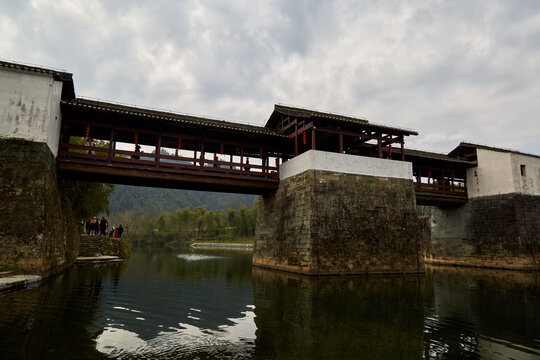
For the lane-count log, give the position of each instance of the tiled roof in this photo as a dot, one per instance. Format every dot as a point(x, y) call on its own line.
point(68, 90)
point(433, 156)
point(169, 116)
point(307, 113)
point(464, 144)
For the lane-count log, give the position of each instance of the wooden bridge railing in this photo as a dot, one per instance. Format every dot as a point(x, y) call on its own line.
point(172, 163)
point(454, 190)
point(439, 181)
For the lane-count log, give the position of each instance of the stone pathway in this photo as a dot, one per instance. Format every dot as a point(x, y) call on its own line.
point(97, 259)
point(17, 281)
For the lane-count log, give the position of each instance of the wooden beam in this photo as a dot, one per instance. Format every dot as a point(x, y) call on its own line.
point(290, 124)
point(143, 176)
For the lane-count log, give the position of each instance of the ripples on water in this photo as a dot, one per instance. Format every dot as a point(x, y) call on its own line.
point(196, 257)
point(211, 304)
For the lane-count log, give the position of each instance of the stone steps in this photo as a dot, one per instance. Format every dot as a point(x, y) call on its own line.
point(5, 273)
point(90, 245)
point(17, 281)
point(95, 246)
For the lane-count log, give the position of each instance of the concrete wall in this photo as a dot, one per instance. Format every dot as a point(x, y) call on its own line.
point(30, 107)
point(500, 173)
point(347, 164)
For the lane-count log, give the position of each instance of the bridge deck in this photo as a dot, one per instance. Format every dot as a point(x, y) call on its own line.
point(166, 172)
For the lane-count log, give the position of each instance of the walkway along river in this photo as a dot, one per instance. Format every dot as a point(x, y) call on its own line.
point(200, 304)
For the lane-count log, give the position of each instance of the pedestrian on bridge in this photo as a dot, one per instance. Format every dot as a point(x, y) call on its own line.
point(137, 150)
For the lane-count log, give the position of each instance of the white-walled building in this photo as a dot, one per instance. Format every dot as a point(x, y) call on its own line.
point(499, 171)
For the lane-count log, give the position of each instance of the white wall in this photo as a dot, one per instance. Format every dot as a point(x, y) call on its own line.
point(530, 182)
point(30, 107)
point(499, 173)
point(344, 163)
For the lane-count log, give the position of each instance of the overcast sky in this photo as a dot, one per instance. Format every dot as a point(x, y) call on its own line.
point(451, 70)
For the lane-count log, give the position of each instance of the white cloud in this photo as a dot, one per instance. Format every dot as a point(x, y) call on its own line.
point(450, 69)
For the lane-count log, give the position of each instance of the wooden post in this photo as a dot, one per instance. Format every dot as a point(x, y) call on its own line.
point(402, 148)
point(242, 159)
point(202, 152)
point(313, 142)
point(158, 147)
point(341, 141)
point(296, 150)
point(379, 145)
point(109, 159)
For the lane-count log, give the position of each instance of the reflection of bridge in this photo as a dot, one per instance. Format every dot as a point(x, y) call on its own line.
point(182, 151)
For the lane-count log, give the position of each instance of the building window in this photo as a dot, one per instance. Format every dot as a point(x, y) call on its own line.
point(523, 170)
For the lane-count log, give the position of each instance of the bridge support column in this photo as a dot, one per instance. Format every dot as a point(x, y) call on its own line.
point(35, 236)
point(341, 214)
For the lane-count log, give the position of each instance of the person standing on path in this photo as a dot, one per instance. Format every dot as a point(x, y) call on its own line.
point(103, 224)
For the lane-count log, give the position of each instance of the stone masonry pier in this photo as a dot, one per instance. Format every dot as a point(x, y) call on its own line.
point(341, 214)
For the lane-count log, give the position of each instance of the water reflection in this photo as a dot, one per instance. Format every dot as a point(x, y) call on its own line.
point(207, 304)
point(54, 320)
point(180, 306)
point(482, 314)
point(338, 318)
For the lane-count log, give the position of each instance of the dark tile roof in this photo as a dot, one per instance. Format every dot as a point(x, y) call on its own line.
point(80, 103)
point(301, 112)
point(466, 145)
point(307, 113)
point(427, 155)
point(68, 90)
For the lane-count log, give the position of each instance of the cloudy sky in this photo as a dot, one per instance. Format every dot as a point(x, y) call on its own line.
point(451, 70)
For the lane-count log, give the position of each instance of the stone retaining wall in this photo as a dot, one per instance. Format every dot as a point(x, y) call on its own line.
point(500, 231)
point(322, 222)
point(93, 245)
point(35, 235)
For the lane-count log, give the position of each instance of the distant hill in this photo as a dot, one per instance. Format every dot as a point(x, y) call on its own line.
point(154, 201)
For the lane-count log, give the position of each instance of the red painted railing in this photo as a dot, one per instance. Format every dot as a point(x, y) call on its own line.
point(172, 163)
point(456, 190)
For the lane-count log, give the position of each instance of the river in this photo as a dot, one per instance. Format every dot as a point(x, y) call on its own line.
point(211, 304)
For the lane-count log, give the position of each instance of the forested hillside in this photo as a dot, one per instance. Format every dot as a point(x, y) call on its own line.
point(154, 201)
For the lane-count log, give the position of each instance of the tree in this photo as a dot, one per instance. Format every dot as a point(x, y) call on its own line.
point(86, 199)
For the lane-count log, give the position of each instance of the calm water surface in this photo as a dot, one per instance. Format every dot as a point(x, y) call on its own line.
point(211, 304)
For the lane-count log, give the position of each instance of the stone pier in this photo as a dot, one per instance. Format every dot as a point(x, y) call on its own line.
point(36, 237)
point(341, 214)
